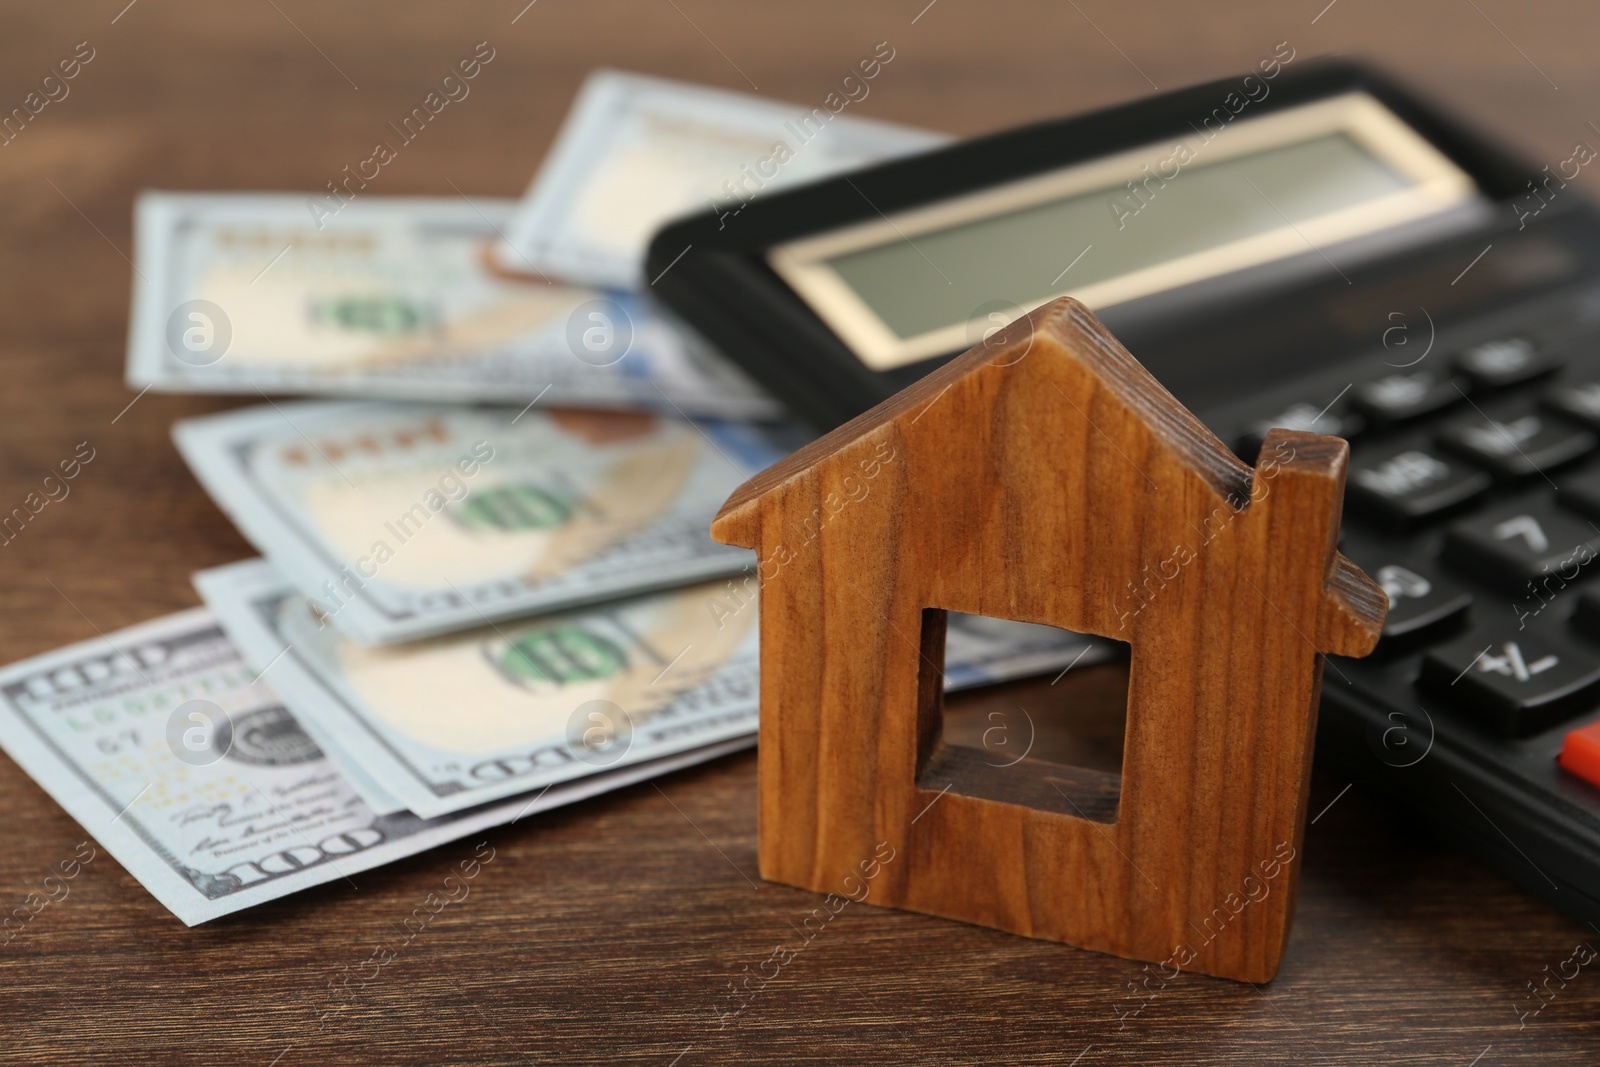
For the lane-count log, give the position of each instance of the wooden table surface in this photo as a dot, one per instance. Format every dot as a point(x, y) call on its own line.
point(610, 932)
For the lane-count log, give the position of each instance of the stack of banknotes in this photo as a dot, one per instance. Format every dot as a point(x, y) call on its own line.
point(486, 586)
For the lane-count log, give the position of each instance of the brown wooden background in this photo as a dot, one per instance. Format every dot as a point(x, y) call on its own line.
point(609, 932)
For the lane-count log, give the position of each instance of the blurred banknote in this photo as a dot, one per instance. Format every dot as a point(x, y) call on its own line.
point(637, 151)
point(456, 721)
point(453, 722)
point(405, 520)
point(248, 293)
point(190, 771)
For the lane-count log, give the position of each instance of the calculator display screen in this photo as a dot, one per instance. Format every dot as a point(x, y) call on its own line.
point(930, 280)
point(1021, 253)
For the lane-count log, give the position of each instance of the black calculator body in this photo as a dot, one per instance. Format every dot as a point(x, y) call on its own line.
point(1462, 364)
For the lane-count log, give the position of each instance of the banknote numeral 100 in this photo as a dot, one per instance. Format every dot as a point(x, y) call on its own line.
point(294, 859)
point(89, 672)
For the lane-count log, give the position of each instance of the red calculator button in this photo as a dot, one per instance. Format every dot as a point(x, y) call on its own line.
point(1580, 753)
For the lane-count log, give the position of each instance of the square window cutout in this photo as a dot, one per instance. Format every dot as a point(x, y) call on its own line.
point(1026, 714)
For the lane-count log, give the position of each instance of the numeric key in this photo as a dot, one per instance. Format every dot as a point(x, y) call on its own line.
point(1516, 546)
point(1422, 603)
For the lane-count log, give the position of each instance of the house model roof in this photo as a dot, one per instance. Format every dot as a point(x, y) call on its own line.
point(1035, 348)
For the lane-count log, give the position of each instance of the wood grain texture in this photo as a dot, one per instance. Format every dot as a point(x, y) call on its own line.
point(609, 933)
point(1045, 476)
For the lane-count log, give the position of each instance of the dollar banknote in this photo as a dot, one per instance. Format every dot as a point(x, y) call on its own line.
point(252, 293)
point(637, 151)
point(189, 770)
point(405, 520)
point(453, 722)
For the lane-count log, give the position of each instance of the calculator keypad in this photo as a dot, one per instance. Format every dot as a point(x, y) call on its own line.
point(1473, 501)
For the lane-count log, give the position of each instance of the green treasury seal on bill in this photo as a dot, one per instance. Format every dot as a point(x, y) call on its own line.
point(241, 293)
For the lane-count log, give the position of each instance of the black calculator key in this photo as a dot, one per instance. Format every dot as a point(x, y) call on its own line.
point(1422, 604)
point(1506, 361)
point(1510, 681)
point(1578, 400)
point(1411, 486)
point(1580, 491)
point(1515, 546)
point(1520, 447)
point(1404, 395)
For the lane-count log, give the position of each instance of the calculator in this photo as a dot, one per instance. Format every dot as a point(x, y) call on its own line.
point(1311, 245)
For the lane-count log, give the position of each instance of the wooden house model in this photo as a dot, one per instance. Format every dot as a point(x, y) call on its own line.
point(1046, 476)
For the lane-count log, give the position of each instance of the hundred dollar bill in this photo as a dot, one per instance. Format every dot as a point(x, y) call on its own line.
point(248, 293)
point(190, 771)
point(403, 520)
point(636, 151)
point(456, 721)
